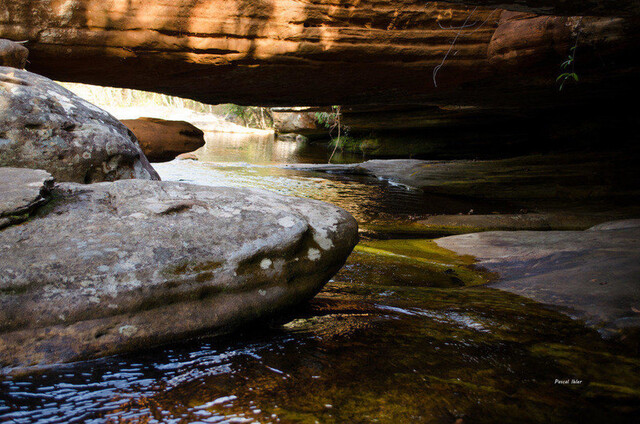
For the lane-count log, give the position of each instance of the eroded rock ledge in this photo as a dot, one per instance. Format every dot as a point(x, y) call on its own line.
point(163, 140)
point(111, 267)
point(289, 52)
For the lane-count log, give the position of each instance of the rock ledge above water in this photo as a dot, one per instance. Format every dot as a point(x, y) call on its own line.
point(593, 275)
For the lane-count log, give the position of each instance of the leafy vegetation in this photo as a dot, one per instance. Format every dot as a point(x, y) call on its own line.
point(249, 116)
point(332, 121)
point(568, 64)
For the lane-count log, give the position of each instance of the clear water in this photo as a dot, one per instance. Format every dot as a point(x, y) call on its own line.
point(364, 350)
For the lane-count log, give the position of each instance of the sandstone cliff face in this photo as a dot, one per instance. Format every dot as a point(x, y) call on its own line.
point(286, 52)
point(564, 7)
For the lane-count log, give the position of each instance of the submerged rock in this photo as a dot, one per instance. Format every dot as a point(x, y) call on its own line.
point(458, 224)
point(13, 54)
point(45, 126)
point(187, 156)
point(120, 266)
point(163, 140)
point(593, 274)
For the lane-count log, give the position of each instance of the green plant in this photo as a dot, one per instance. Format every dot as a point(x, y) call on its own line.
point(569, 65)
point(325, 119)
point(336, 124)
point(332, 121)
point(570, 62)
point(250, 116)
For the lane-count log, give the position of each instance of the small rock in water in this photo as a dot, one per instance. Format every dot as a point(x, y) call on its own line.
point(163, 140)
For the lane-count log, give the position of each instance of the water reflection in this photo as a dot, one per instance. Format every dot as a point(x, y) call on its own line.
point(250, 160)
point(390, 349)
point(264, 148)
point(355, 354)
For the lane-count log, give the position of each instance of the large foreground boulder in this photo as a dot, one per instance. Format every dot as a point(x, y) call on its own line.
point(45, 126)
point(593, 274)
point(163, 140)
point(111, 267)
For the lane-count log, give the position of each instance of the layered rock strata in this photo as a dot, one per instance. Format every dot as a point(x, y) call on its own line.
point(285, 52)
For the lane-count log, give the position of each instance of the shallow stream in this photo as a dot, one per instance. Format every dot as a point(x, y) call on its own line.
point(402, 334)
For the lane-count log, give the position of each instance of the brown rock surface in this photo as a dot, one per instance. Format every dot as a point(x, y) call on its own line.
point(13, 54)
point(163, 140)
point(565, 7)
point(286, 52)
point(292, 121)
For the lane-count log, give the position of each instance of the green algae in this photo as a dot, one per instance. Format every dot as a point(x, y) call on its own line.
point(415, 262)
point(397, 230)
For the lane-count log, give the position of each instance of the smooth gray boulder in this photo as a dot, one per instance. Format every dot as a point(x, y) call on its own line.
point(111, 267)
point(592, 275)
point(21, 192)
point(45, 126)
point(13, 54)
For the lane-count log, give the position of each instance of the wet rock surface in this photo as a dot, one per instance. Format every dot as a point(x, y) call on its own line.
point(45, 126)
point(13, 54)
point(593, 275)
point(532, 180)
point(21, 192)
point(120, 266)
point(512, 222)
point(163, 140)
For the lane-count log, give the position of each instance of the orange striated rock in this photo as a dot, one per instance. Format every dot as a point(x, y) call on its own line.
point(163, 140)
point(564, 7)
point(316, 52)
